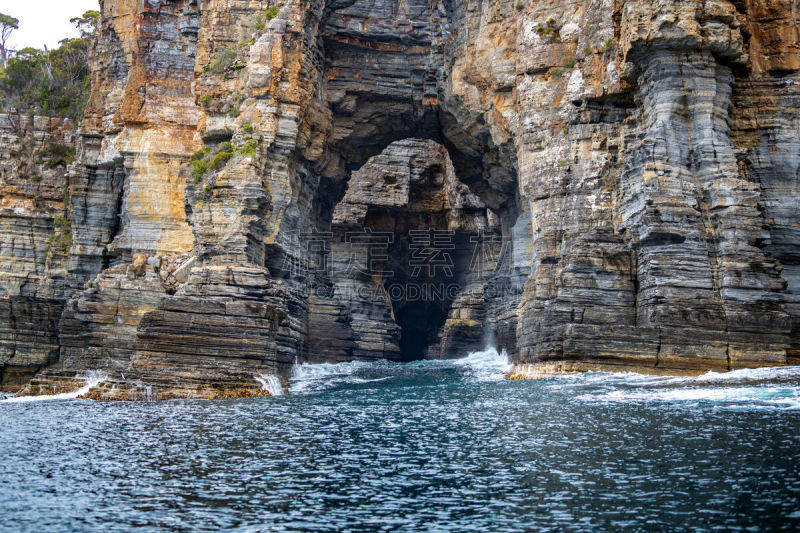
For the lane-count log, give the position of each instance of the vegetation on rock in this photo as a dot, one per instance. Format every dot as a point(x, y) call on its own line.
point(207, 160)
point(224, 60)
point(49, 82)
point(273, 12)
point(63, 234)
point(56, 154)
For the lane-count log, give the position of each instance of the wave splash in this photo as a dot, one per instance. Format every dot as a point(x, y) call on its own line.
point(271, 384)
point(487, 365)
point(484, 365)
point(91, 380)
point(756, 388)
point(308, 377)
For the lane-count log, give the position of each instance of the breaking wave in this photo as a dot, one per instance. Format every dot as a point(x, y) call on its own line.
point(756, 388)
point(484, 365)
point(91, 380)
point(271, 384)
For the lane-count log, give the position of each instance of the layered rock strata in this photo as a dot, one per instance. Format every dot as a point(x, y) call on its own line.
point(402, 256)
point(613, 186)
point(35, 236)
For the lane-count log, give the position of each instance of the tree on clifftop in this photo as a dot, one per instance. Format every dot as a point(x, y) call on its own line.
point(7, 26)
point(86, 23)
point(51, 82)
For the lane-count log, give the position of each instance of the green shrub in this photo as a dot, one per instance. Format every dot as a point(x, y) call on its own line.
point(563, 163)
point(220, 160)
point(63, 234)
point(272, 12)
point(203, 162)
point(555, 71)
point(205, 101)
point(57, 154)
point(248, 149)
point(257, 19)
point(248, 128)
point(49, 82)
point(199, 169)
point(611, 43)
point(234, 112)
point(201, 153)
point(224, 60)
point(519, 7)
point(62, 222)
point(66, 241)
point(587, 50)
point(569, 63)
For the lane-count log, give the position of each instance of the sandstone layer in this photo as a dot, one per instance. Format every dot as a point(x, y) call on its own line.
point(590, 185)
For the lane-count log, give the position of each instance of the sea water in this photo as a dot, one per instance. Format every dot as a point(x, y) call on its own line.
point(425, 446)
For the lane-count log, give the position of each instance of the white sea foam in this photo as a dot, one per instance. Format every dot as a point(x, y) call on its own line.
point(783, 397)
point(271, 384)
point(741, 376)
point(760, 388)
point(487, 365)
point(309, 377)
point(753, 374)
point(91, 380)
point(310, 371)
point(359, 380)
point(484, 365)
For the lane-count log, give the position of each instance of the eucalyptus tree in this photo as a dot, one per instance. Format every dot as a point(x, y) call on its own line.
point(7, 26)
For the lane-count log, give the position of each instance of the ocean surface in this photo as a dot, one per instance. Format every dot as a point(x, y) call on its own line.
point(427, 446)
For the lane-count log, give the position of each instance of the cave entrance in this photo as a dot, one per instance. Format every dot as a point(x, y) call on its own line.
point(402, 158)
point(405, 234)
point(420, 323)
point(431, 268)
point(411, 226)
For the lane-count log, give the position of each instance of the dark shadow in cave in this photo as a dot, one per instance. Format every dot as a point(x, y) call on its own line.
point(383, 89)
point(420, 322)
point(422, 299)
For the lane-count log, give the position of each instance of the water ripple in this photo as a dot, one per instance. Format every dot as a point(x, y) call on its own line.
point(429, 446)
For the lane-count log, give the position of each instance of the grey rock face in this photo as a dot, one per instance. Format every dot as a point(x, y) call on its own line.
point(402, 261)
point(34, 240)
point(679, 278)
point(225, 325)
point(765, 126)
